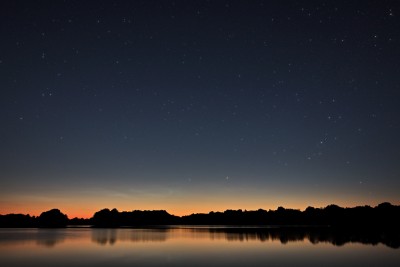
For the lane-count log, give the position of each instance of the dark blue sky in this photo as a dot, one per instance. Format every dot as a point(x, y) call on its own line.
point(198, 105)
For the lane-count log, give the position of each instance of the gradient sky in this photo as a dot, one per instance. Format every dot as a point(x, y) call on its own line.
point(192, 106)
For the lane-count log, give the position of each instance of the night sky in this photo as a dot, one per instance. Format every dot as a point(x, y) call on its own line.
point(193, 106)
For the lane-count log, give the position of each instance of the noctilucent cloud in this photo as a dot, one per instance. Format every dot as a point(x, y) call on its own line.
point(193, 106)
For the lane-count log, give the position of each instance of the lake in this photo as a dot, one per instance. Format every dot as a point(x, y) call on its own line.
point(190, 246)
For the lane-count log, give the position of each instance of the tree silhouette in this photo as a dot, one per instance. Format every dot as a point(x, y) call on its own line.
point(385, 216)
point(52, 218)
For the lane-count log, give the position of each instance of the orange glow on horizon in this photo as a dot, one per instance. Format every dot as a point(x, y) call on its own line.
point(84, 205)
point(80, 211)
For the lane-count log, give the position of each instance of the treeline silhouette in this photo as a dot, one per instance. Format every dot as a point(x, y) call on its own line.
point(384, 215)
point(52, 218)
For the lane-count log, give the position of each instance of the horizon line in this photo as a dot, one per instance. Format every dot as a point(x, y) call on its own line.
point(243, 210)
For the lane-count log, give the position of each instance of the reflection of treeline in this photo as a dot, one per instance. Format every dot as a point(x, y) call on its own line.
point(335, 236)
point(284, 235)
point(384, 215)
point(110, 236)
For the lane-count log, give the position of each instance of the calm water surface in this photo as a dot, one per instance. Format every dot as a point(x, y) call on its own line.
point(182, 246)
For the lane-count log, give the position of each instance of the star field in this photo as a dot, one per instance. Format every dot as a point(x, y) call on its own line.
point(197, 106)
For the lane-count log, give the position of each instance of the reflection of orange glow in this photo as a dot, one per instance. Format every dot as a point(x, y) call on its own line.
point(181, 247)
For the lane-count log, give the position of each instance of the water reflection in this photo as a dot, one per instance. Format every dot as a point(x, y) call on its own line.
point(195, 246)
point(314, 235)
point(283, 235)
point(42, 237)
point(50, 238)
point(111, 236)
